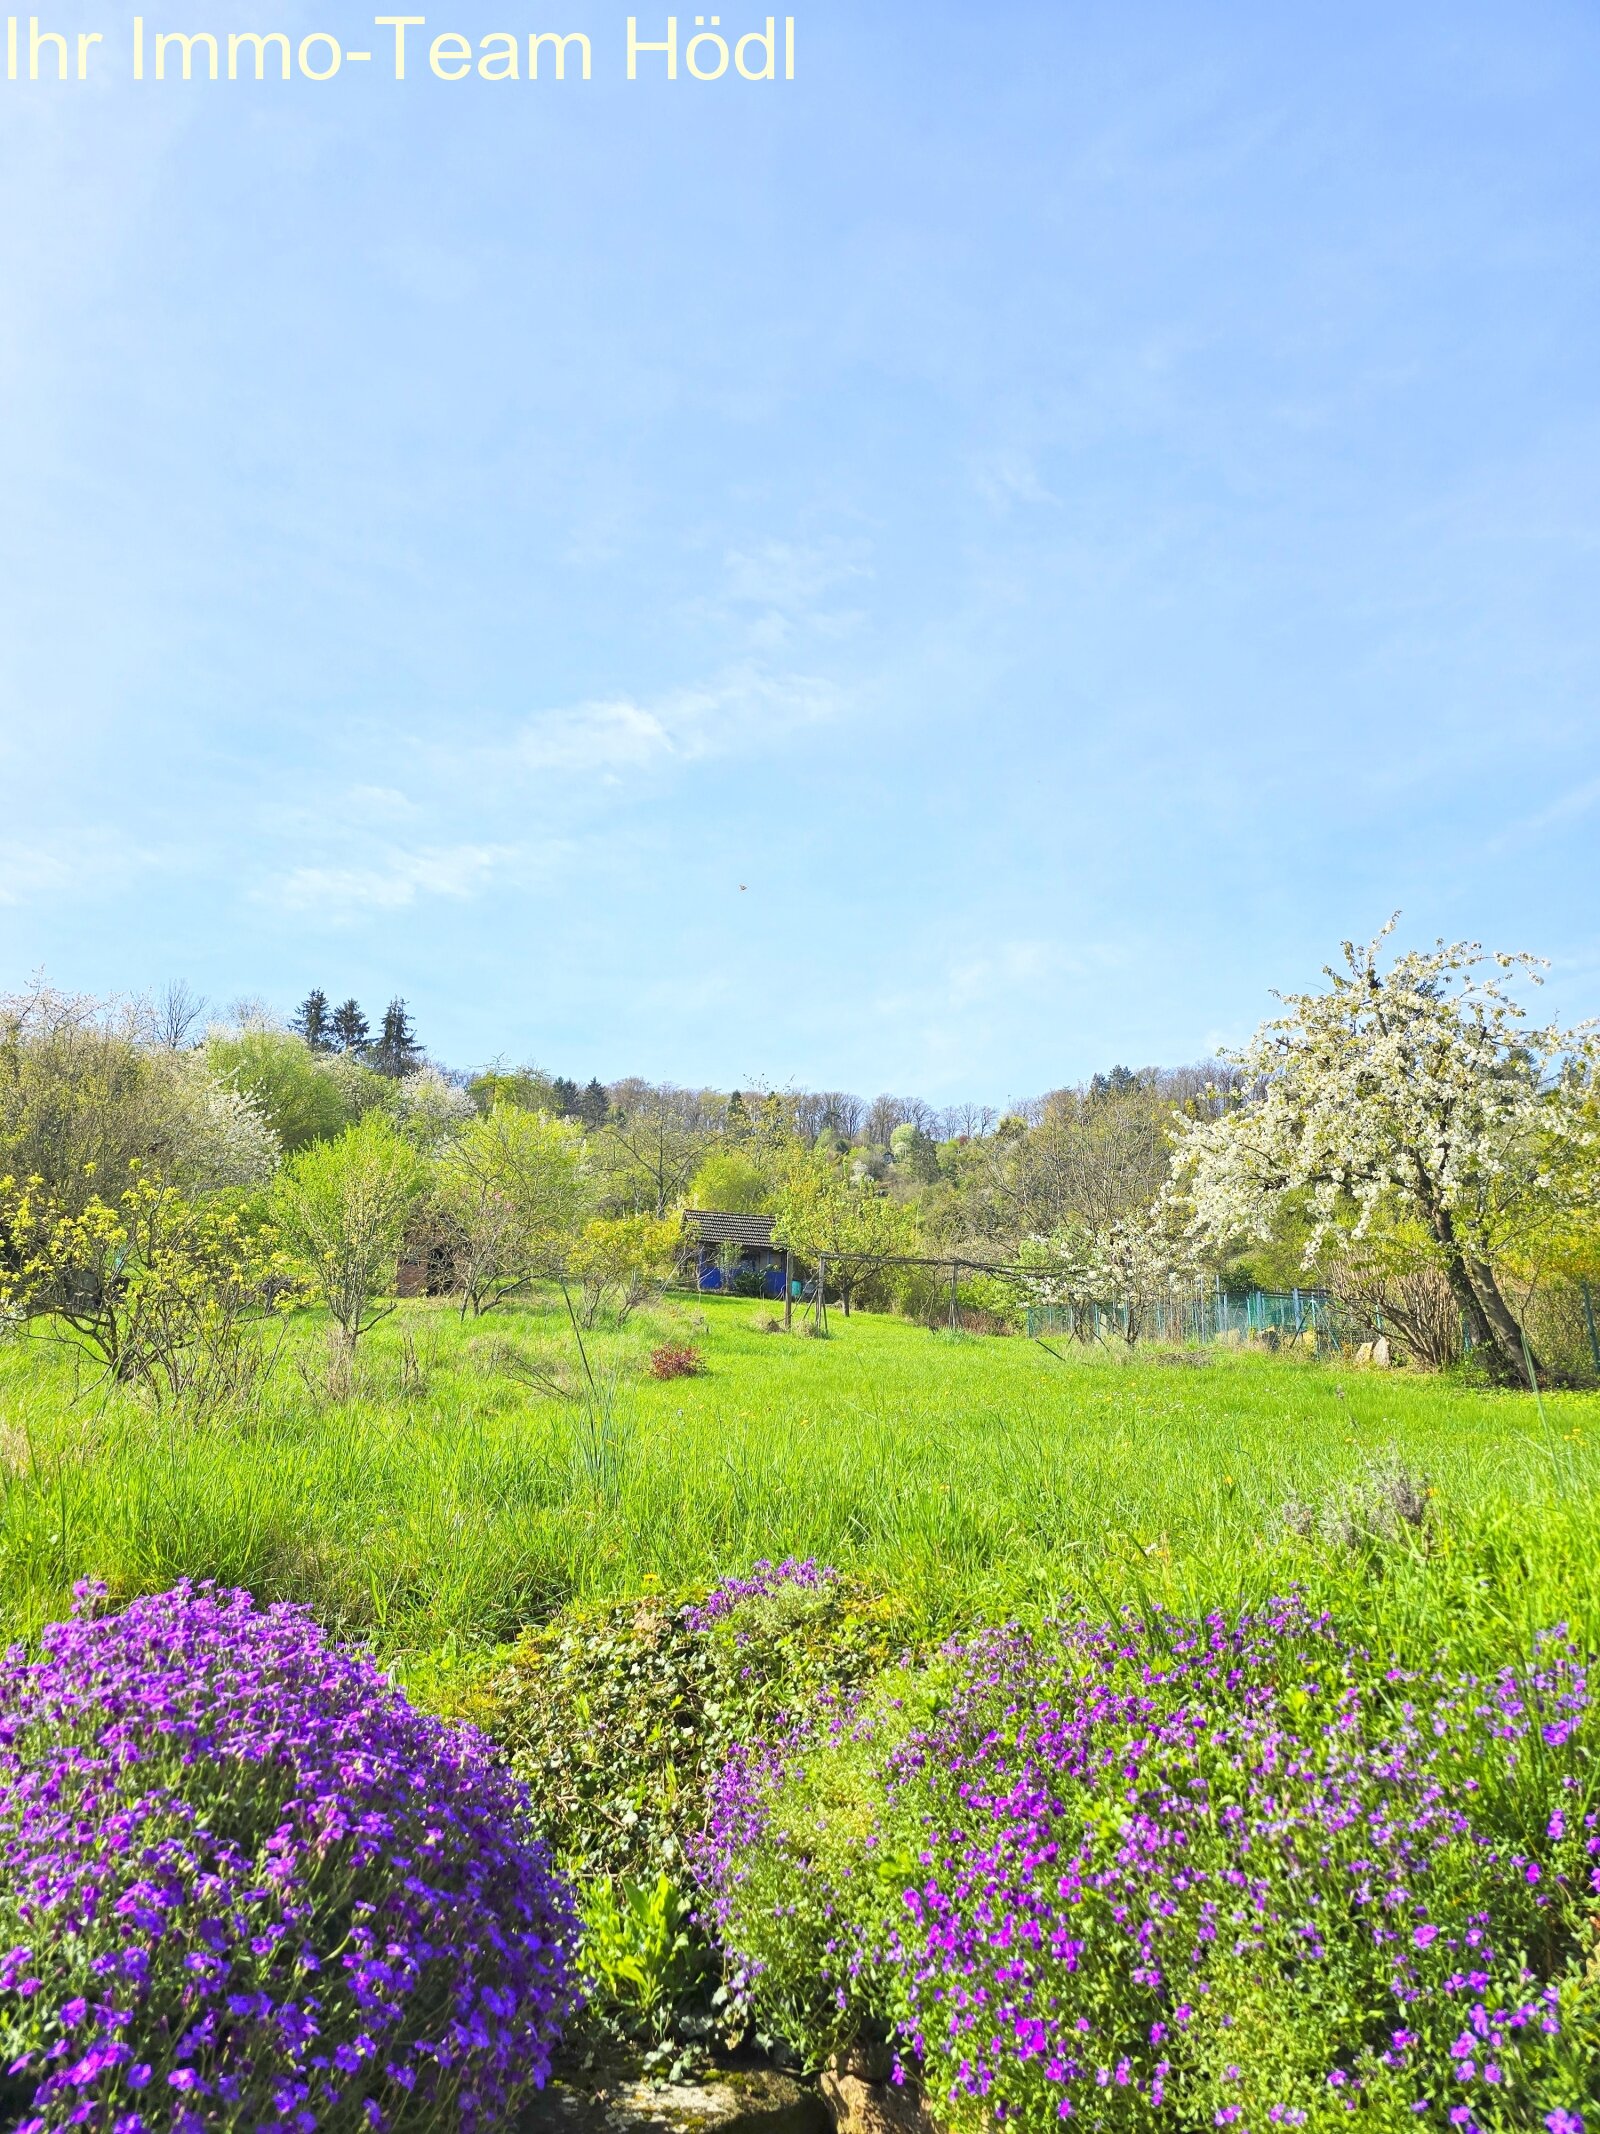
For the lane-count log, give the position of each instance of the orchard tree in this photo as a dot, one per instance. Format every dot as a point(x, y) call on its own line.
point(653, 1144)
point(304, 1094)
point(342, 1208)
point(84, 1094)
point(514, 1188)
point(621, 1261)
point(1415, 1093)
point(732, 1181)
point(822, 1211)
point(1130, 1268)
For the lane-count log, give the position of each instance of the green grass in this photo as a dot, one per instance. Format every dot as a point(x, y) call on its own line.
point(447, 1505)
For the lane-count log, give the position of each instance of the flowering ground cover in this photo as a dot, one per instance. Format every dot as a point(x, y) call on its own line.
point(1199, 1873)
point(244, 1884)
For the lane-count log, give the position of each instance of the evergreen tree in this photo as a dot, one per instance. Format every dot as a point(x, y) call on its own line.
point(564, 1095)
point(313, 1020)
point(738, 1118)
point(350, 1027)
point(397, 1051)
point(594, 1106)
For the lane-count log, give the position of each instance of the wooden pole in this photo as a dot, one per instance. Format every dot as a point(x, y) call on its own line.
point(955, 1268)
point(822, 1292)
point(788, 1282)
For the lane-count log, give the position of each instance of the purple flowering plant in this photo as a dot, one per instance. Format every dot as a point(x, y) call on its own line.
point(243, 1884)
point(1209, 1873)
point(765, 1581)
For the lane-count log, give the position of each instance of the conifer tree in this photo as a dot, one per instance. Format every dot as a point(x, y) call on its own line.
point(594, 1106)
point(397, 1051)
point(313, 1020)
point(350, 1027)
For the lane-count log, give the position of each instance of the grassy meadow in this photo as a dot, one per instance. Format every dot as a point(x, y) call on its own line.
point(476, 1479)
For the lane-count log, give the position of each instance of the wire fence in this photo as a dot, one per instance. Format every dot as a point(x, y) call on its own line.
point(1309, 1317)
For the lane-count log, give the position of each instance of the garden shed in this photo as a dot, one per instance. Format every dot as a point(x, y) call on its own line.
point(734, 1252)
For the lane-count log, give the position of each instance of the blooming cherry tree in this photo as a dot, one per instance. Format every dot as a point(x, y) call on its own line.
point(1418, 1092)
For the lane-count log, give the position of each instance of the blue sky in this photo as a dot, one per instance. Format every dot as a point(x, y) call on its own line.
point(1075, 508)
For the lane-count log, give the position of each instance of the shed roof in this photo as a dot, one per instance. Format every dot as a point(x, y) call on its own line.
point(716, 1227)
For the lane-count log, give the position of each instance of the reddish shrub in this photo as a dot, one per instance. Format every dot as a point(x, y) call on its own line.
point(676, 1359)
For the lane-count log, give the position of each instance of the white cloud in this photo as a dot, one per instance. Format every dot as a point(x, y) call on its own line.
point(81, 863)
point(380, 803)
point(27, 871)
point(779, 574)
point(392, 881)
point(1010, 477)
point(743, 710)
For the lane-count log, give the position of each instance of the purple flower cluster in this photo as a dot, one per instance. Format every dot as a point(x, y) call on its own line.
point(244, 1884)
point(1224, 1873)
point(764, 1580)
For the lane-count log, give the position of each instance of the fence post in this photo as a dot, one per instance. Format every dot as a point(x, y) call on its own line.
point(788, 1264)
point(1588, 1320)
point(954, 1271)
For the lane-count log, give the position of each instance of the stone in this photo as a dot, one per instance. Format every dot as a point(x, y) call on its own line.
point(858, 2104)
point(1380, 1353)
point(613, 2100)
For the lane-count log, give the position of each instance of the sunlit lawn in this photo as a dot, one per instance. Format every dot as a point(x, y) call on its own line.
point(451, 1501)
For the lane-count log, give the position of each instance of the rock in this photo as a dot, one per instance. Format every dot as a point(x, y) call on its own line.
point(613, 2101)
point(859, 2105)
point(1363, 1355)
point(1380, 1353)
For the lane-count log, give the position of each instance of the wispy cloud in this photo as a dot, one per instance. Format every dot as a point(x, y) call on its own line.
point(1009, 477)
point(740, 712)
point(27, 871)
point(391, 881)
point(82, 863)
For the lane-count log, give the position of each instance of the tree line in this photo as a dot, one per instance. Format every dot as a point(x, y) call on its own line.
point(1404, 1136)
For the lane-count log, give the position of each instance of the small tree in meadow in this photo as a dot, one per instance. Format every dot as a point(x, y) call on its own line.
point(620, 1260)
point(513, 1185)
point(822, 1209)
point(156, 1288)
point(342, 1208)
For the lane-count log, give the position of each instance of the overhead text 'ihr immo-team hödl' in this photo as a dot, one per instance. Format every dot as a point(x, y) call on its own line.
point(404, 48)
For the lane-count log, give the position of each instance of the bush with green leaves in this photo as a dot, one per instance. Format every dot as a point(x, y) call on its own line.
point(620, 1717)
point(305, 1095)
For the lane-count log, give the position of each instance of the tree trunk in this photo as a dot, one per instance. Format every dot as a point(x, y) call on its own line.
point(1486, 1312)
point(1508, 1335)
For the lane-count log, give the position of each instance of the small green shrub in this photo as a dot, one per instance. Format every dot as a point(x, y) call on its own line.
point(619, 1718)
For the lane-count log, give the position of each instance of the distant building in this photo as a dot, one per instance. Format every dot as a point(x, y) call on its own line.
point(733, 1252)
